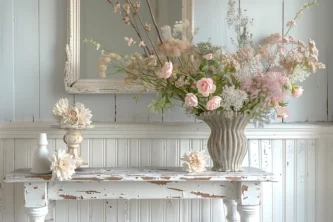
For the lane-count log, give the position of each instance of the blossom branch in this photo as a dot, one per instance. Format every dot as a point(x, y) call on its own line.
point(151, 42)
point(154, 21)
point(300, 12)
point(134, 27)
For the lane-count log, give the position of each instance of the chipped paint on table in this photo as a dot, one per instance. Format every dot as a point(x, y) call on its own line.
point(172, 174)
point(145, 183)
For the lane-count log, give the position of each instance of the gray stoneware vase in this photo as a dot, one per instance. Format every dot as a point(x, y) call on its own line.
point(227, 144)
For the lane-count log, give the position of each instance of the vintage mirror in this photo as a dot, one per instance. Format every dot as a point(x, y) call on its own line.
point(96, 20)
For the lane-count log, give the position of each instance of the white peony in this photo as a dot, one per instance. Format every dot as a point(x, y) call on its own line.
point(62, 165)
point(71, 116)
point(194, 161)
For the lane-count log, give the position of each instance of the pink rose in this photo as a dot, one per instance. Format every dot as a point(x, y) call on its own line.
point(282, 115)
point(208, 56)
point(206, 86)
point(298, 92)
point(166, 71)
point(214, 103)
point(191, 100)
point(282, 112)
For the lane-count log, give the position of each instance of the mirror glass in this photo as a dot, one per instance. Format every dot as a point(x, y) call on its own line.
point(100, 23)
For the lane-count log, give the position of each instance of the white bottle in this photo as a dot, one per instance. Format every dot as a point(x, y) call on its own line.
point(41, 163)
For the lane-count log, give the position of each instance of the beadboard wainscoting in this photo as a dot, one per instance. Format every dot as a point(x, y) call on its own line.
point(300, 154)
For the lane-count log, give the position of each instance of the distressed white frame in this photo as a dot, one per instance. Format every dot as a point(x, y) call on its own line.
point(73, 83)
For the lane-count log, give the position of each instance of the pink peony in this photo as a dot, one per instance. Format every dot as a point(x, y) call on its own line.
point(208, 56)
point(166, 71)
point(191, 100)
point(298, 92)
point(206, 86)
point(214, 103)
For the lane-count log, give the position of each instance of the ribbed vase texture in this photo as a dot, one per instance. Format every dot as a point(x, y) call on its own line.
point(227, 144)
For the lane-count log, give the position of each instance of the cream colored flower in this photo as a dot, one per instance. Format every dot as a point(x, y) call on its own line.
point(62, 165)
point(84, 114)
point(60, 109)
point(71, 116)
point(194, 161)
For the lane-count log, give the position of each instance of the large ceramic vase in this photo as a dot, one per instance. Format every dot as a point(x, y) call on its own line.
point(227, 144)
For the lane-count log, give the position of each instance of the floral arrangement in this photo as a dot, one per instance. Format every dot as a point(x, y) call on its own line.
point(71, 117)
point(194, 162)
point(63, 165)
point(254, 80)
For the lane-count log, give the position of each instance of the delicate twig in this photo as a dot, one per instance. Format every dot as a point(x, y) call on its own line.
point(154, 21)
point(134, 27)
point(298, 14)
point(146, 47)
point(151, 42)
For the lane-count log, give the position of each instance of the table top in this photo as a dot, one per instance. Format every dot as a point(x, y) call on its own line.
point(145, 174)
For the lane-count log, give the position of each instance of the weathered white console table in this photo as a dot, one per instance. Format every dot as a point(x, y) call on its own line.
point(240, 191)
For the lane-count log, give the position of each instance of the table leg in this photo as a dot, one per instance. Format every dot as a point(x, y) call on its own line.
point(231, 206)
point(49, 216)
point(36, 214)
point(247, 213)
point(249, 200)
point(36, 202)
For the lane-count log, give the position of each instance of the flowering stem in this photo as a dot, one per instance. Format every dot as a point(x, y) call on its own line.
point(151, 42)
point(298, 14)
point(154, 21)
point(145, 47)
point(133, 26)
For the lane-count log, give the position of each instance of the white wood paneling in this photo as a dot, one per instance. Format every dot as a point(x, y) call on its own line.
point(301, 163)
point(7, 98)
point(52, 41)
point(26, 60)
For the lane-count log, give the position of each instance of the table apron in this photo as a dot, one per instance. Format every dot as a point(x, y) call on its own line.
point(143, 190)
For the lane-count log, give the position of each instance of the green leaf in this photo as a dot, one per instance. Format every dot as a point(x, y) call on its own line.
point(137, 97)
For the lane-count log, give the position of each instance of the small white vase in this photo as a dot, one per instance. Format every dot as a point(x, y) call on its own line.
point(41, 163)
point(73, 139)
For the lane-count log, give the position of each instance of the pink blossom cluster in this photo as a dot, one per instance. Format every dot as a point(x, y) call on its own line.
point(273, 87)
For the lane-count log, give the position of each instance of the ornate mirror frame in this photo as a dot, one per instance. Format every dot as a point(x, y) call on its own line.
point(73, 83)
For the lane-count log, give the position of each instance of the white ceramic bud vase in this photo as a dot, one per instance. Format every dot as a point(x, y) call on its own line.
point(73, 139)
point(41, 163)
point(227, 144)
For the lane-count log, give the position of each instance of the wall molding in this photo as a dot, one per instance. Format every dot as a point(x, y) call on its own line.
point(166, 130)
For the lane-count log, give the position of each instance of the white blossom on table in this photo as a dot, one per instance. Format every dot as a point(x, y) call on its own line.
point(62, 165)
point(194, 162)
